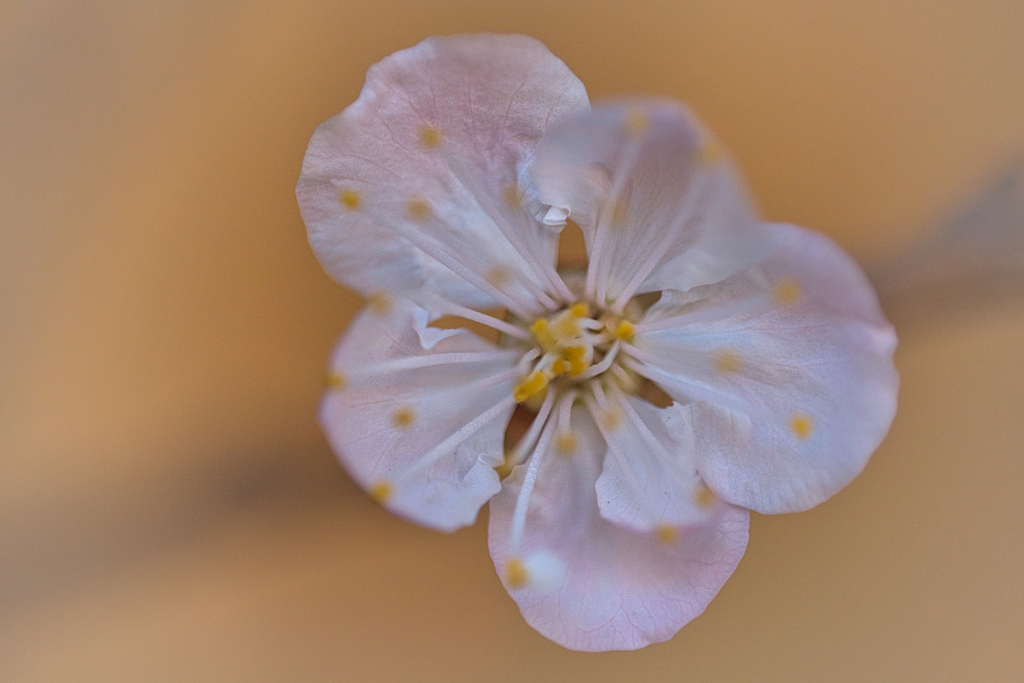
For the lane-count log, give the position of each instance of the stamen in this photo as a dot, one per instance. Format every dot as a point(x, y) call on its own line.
point(699, 314)
point(542, 334)
point(606, 362)
point(469, 429)
point(694, 389)
point(802, 426)
point(418, 362)
point(686, 217)
point(530, 480)
point(350, 199)
point(518, 236)
point(528, 439)
point(625, 168)
point(565, 438)
point(484, 319)
point(443, 254)
point(788, 291)
point(532, 384)
point(381, 491)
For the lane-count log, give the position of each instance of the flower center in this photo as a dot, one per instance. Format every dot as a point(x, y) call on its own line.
point(573, 346)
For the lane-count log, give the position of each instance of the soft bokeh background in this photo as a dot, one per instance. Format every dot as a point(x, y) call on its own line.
point(168, 508)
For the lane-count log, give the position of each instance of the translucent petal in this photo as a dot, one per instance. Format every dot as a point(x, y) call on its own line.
point(650, 481)
point(790, 368)
point(615, 590)
point(416, 187)
point(418, 414)
point(659, 203)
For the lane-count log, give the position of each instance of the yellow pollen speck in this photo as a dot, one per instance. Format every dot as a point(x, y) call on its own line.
point(430, 137)
point(709, 151)
point(802, 425)
point(625, 331)
point(727, 361)
point(380, 303)
point(418, 210)
point(499, 276)
point(336, 381)
point(381, 491)
point(667, 534)
point(580, 310)
point(516, 573)
point(637, 122)
point(403, 417)
point(788, 291)
point(350, 199)
point(611, 419)
point(559, 367)
point(703, 496)
point(565, 443)
point(532, 384)
point(576, 357)
point(513, 197)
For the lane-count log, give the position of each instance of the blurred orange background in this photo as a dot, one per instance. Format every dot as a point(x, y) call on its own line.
point(168, 508)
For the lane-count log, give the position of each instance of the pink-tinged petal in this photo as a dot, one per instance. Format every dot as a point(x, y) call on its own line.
point(790, 367)
point(417, 414)
point(659, 203)
point(649, 481)
point(590, 585)
point(416, 188)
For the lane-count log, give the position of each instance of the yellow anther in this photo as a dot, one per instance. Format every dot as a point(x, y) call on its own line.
point(802, 426)
point(403, 417)
point(576, 357)
point(516, 573)
point(703, 496)
point(625, 331)
point(559, 367)
point(430, 137)
point(611, 419)
point(380, 303)
point(350, 199)
point(788, 291)
point(710, 151)
point(534, 383)
point(335, 381)
point(381, 491)
point(418, 210)
point(727, 361)
point(637, 122)
point(565, 442)
point(580, 310)
point(543, 335)
point(505, 468)
point(666, 534)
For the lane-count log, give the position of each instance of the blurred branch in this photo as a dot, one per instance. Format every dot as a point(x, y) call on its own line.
point(972, 261)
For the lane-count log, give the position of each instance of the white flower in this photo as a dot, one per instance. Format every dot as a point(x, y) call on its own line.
point(442, 191)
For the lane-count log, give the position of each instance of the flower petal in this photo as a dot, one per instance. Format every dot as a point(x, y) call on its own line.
point(649, 481)
point(418, 414)
point(599, 586)
point(659, 203)
point(791, 367)
point(423, 170)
